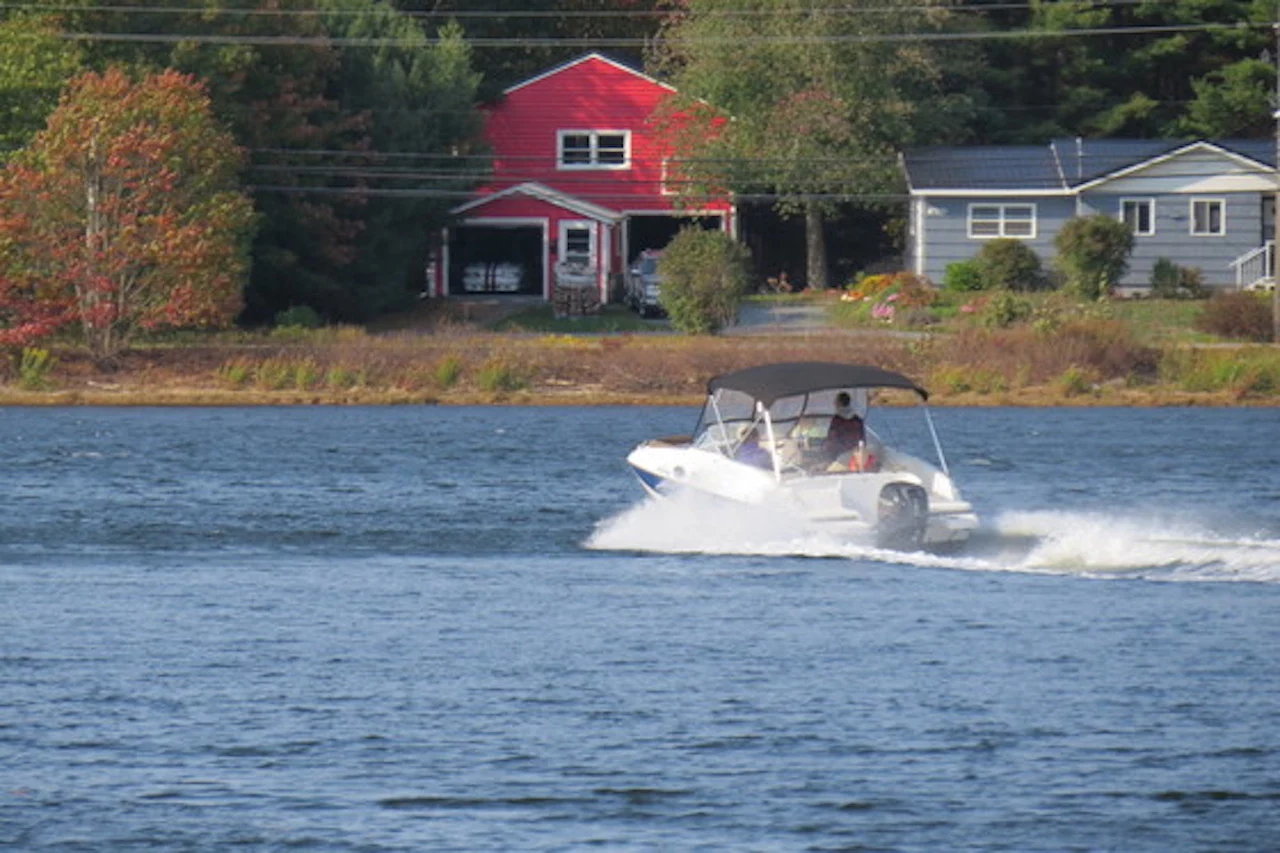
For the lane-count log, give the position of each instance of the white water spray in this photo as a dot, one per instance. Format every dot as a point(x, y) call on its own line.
point(1087, 544)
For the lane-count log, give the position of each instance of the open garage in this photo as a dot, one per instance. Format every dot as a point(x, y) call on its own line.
point(656, 231)
point(496, 259)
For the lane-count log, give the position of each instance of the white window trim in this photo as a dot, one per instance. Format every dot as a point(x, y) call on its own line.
point(562, 244)
point(1150, 204)
point(1191, 216)
point(1002, 222)
point(595, 150)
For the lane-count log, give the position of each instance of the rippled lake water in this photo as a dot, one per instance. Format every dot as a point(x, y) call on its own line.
point(410, 629)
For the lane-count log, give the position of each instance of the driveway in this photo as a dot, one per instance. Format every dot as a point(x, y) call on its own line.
point(772, 318)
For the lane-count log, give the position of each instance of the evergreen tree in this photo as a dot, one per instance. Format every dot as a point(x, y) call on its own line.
point(421, 120)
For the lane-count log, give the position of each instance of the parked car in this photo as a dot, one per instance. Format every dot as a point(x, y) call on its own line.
point(644, 285)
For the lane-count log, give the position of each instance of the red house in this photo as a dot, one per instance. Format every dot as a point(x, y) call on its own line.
point(577, 191)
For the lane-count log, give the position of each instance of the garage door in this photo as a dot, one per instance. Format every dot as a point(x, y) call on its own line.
point(496, 259)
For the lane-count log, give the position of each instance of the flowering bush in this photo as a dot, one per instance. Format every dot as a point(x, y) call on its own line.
point(871, 286)
point(883, 311)
point(885, 294)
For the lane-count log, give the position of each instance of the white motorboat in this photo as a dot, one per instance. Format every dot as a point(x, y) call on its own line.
point(766, 436)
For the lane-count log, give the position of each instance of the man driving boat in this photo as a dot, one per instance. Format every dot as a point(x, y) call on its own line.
point(846, 441)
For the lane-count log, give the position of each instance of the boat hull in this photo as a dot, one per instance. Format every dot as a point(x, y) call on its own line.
point(862, 507)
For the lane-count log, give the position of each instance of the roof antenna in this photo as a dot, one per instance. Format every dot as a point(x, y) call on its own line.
point(1079, 159)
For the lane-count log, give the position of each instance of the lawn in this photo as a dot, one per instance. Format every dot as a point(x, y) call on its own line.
point(1152, 321)
point(611, 319)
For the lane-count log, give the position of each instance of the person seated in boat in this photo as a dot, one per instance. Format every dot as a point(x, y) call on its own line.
point(750, 451)
point(846, 430)
point(846, 441)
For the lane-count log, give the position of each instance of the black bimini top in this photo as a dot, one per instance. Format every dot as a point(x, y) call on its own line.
point(770, 382)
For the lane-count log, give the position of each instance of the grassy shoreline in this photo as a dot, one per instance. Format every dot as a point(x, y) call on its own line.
point(1086, 366)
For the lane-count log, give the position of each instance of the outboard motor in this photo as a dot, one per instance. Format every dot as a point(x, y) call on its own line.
point(903, 516)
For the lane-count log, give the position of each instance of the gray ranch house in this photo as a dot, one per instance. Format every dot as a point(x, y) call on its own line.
point(1205, 204)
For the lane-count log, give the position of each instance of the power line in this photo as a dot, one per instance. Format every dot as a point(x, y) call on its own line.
point(624, 42)
point(391, 192)
point(557, 14)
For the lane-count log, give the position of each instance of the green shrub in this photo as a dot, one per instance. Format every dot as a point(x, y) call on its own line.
point(274, 374)
point(448, 371)
point(344, 377)
point(306, 374)
point(705, 275)
point(235, 373)
point(1164, 279)
point(1171, 281)
point(1093, 253)
point(1010, 264)
point(954, 380)
point(1238, 314)
point(299, 317)
point(1005, 309)
point(34, 367)
point(1242, 372)
point(964, 276)
point(1191, 282)
point(1076, 381)
point(962, 379)
point(497, 375)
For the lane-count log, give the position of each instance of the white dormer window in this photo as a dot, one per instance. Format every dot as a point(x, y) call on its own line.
point(593, 149)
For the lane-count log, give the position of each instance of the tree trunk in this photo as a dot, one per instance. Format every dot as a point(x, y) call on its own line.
point(815, 244)
point(87, 292)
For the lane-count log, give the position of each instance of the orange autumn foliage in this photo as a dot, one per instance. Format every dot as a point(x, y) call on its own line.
point(125, 213)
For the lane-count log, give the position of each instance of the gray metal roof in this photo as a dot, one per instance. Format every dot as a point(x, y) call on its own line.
point(1062, 164)
point(1086, 159)
point(1262, 150)
point(993, 167)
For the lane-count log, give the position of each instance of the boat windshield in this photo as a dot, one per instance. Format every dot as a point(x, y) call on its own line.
point(728, 415)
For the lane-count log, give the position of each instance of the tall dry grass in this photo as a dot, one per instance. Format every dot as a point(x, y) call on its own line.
point(1074, 359)
point(1022, 356)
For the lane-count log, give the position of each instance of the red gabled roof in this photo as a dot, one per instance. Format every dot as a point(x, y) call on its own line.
point(586, 58)
point(541, 192)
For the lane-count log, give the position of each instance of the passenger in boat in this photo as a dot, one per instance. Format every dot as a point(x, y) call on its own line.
point(846, 442)
point(752, 453)
point(846, 431)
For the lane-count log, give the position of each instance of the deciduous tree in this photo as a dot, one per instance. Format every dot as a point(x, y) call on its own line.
point(35, 63)
point(819, 98)
point(125, 213)
point(338, 125)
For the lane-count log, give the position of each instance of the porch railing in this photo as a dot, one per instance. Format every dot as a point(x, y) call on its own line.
point(1256, 267)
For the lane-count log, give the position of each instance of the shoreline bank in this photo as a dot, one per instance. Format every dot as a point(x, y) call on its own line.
point(465, 367)
point(219, 398)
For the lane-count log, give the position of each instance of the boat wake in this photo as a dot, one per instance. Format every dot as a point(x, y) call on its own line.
point(1084, 544)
